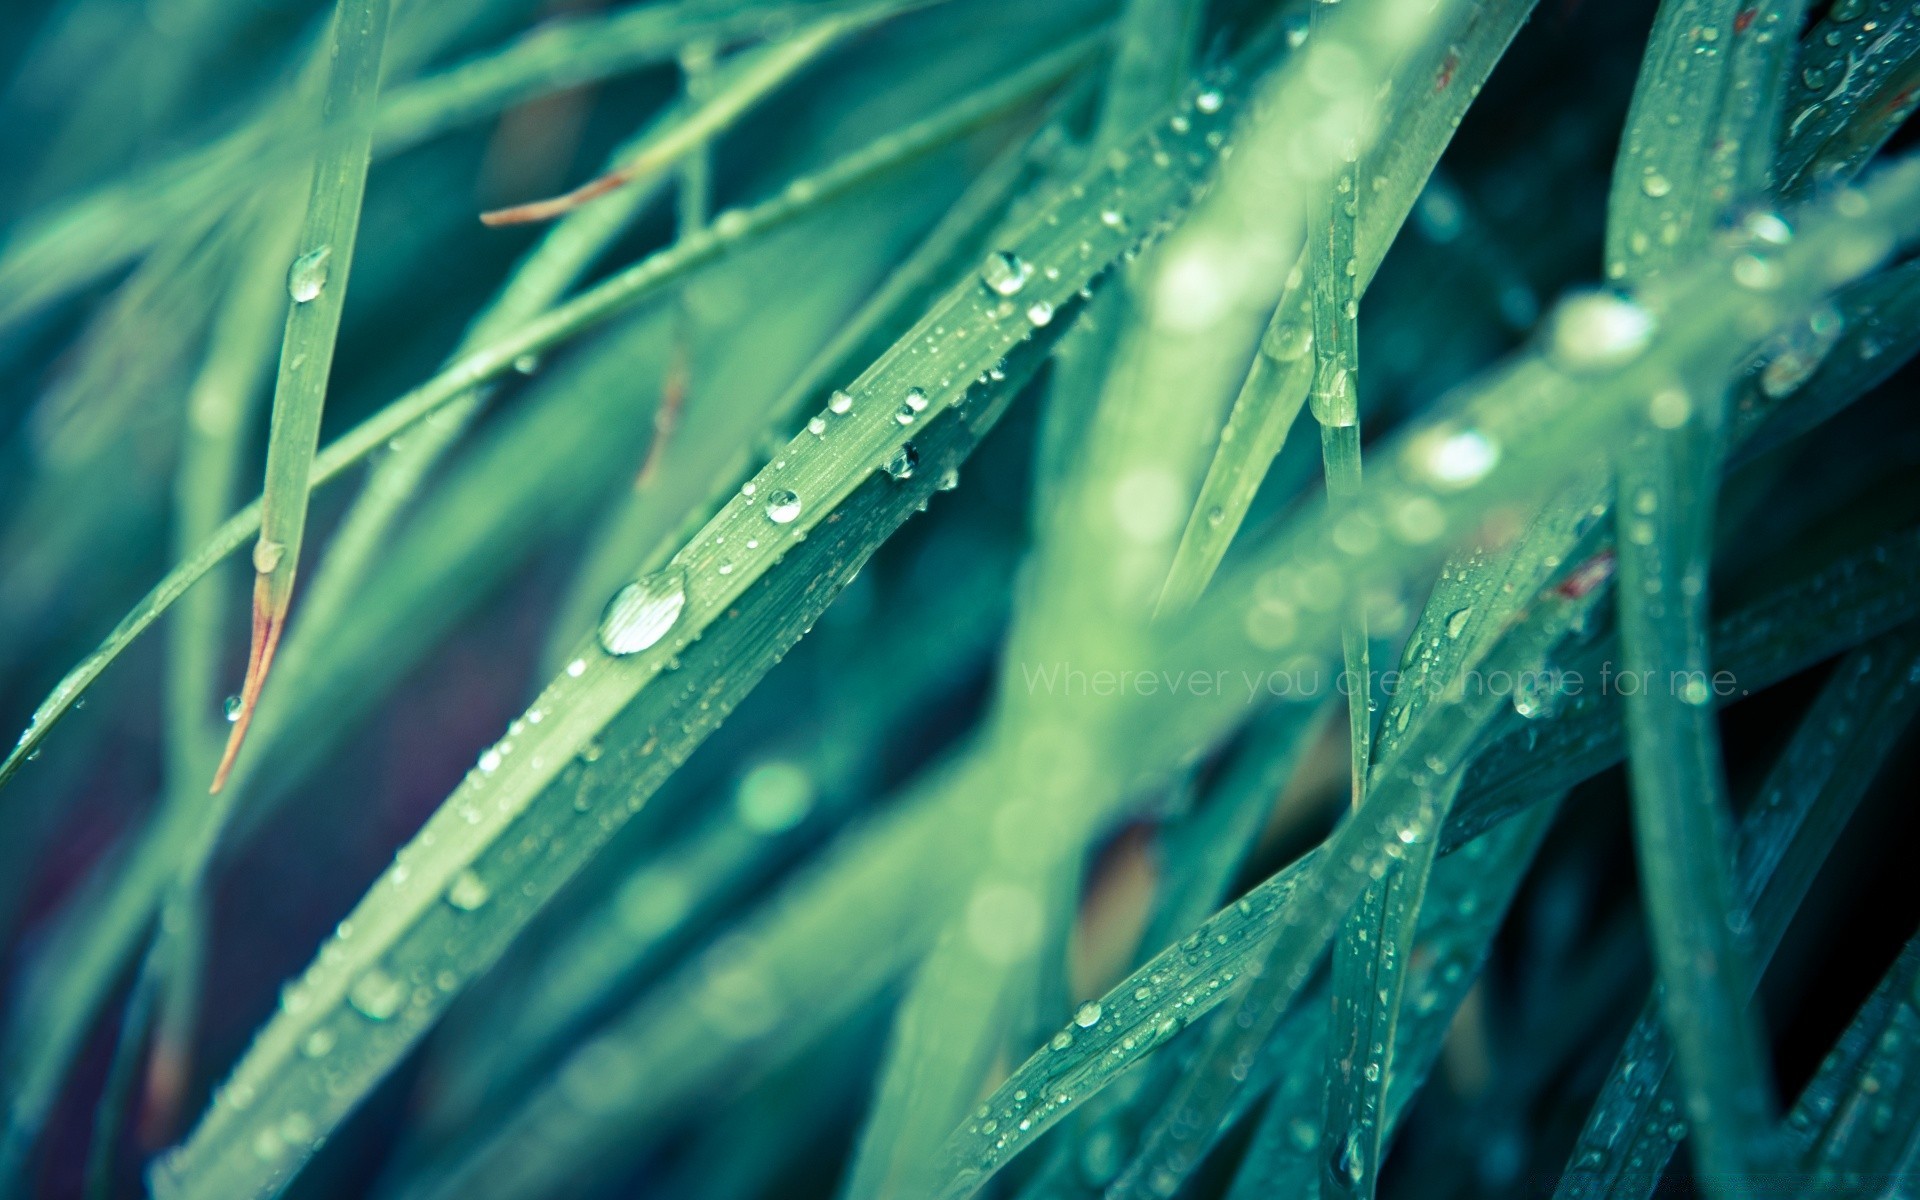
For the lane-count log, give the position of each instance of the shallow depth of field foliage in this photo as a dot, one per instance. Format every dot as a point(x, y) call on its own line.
point(713, 599)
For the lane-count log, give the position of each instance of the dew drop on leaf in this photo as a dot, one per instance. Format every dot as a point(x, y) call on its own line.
point(641, 613)
point(782, 507)
point(307, 277)
point(1005, 273)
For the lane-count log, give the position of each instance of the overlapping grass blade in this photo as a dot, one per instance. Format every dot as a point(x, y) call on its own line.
point(1853, 85)
point(615, 295)
point(1856, 1124)
point(80, 239)
point(1418, 124)
point(1101, 558)
point(317, 284)
point(1671, 181)
point(362, 973)
point(1803, 806)
point(1468, 897)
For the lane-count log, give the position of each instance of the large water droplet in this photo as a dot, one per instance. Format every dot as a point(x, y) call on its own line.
point(468, 891)
point(1087, 1015)
point(1005, 273)
point(308, 274)
point(1598, 331)
point(900, 466)
point(642, 612)
point(782, 507)
point(839, 402)
point(377, 995)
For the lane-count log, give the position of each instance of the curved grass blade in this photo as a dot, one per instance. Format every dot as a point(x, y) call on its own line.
point(1417, 125)
point(1671, 181)
point(1804, 805)
point(613, 296)
point(317, 283)
point(356, 988)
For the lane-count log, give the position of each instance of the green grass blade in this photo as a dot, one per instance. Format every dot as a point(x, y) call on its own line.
point(317, 284)
point(1417, 125)
point(613, 296)
point(1671, 180)
point(1468, 898)
point(540, 280)
point(1852, 87)
point(1804, 804)
point(1858, 1121)
point(79, 239)
point(1101, 557)
point(794, 496)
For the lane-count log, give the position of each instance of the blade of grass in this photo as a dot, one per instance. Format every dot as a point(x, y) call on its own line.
point(1670, 182)
point(931, 266)
point(609, 298)
point(685, 138)
point(823, 951)
point(1857, 1121)
point(64, 248)
point(1418, 124)
point(1852, 86)
point(1102, 553)
point(1465, 907)
point(1804, 805)
point(797, 494)
point(317, 283)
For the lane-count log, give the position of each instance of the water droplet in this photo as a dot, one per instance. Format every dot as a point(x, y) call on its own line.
point(1454, 458)
point(1039, 312)
point(839, 402)
point(1598, 331)
point(1113, 218)
point(231, 709)
point(377, 995)
point(468, 891)
point(916, 400)
point(1457, 621)
point(1005, 273)
point(1209, 101)
point(1655, 185)
point(308, 274)
point(1087, 1015)
point(782, 507)
point(267, 555)
point(817, 426)
point(642, 612)
point(1062, 1040)
point(900, 466)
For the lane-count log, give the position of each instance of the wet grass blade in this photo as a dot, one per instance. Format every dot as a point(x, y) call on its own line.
point(1853, 85)
point(1857, 1122)
point(1671, 180)
point(76, 241)
point(1468, 898)
point(1418, 124)
point(354, 989)
point(317, 285)
point(1804, 805)
point(613, 296)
